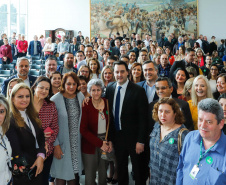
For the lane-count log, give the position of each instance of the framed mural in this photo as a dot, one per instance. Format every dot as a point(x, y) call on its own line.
point(144, 16)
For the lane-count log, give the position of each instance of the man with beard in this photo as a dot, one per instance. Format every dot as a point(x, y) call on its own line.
point(68, 64)
point(22, 68)
point(50, 66)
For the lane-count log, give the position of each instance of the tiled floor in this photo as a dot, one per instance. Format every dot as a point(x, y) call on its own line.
point(131, 182)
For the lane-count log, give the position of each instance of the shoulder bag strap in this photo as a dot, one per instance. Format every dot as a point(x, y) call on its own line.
point(179, 142)
point(108, 121)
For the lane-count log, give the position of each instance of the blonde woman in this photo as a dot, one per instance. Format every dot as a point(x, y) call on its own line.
point(186, 95)
point(181, 54)
point(26, 135)
point(107, 75)
point(48, 48)
point(5, 148)
point(11, 84)
point(94, 65)
point(200, 90)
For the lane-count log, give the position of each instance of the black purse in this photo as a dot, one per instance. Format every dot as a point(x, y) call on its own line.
point(21, 161)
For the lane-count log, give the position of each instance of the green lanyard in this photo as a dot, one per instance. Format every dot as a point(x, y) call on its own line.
point(202, 155)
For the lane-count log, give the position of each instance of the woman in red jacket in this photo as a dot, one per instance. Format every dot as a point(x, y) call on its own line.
point(22, 46)
point(93, 129)
point(5, 52)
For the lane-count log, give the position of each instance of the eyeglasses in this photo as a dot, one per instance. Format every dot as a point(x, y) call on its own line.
point(162, 88)
point(84, 71)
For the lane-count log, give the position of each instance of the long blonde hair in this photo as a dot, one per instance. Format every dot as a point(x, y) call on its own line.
point(194, 97)
point(18, 80)
point(30, 111)
point(6, 122)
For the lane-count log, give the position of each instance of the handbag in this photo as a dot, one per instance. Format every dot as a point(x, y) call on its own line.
point(106, 155)
point(179, 142)
point(21, 161)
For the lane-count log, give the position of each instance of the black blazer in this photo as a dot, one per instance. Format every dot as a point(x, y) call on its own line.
point(181, 64)
point(23, 142)
point(5, 83)
point(185, 109)
point(133, 114)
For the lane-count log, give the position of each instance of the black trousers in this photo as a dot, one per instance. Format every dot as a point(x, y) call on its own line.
point(124, 148)
point(46, 169)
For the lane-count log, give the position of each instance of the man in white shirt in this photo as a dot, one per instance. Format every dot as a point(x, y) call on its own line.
point(128, 134)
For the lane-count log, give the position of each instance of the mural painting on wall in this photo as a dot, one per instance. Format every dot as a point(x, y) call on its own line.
point(144, 16)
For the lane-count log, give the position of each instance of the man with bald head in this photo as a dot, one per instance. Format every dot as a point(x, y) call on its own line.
point(164, 66)
point(35, 47)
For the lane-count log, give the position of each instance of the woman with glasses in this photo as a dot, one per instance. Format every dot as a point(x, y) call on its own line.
point(84, 70)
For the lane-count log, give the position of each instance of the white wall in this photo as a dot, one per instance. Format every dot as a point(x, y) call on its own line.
point(212, 19)
point(75, 15)
point(51, 14)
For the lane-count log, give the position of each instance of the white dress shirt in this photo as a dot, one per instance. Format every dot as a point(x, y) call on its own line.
point(29, 124)
point(122, 95)
point(5, 173)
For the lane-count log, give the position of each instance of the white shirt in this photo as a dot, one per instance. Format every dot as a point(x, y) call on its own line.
point(5, 173)
point(122, 95)
point(31, 126)
point(27, 82)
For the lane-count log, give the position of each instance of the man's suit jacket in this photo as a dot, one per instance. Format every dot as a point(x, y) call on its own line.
point(185, 109)
point(31, 48)
point(181, 64)
point(1, 42)
point(145, 86)
point(6, 82)
point(113, 51)
point(133, 114)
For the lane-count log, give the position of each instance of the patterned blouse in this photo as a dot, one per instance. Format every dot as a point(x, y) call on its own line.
point(49, 117)
point(73, 111)
point(164, 156)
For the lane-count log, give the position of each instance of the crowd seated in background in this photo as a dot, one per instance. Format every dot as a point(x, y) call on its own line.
point(124, 96)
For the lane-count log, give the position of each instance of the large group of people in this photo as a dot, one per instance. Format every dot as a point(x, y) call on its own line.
point(122, 97)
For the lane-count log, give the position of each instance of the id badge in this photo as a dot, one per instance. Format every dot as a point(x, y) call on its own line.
point(194, 172)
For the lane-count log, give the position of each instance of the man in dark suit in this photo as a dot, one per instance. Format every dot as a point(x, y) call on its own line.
point(150, 71)
point(35, 47)
point(108, 47)
point(128, 128)
point(164, 89)
point(22, 68)
point(189, 58)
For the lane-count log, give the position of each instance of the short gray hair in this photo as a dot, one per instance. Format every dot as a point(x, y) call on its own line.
point(20, 59)
point(96, 82)
point(212, 106)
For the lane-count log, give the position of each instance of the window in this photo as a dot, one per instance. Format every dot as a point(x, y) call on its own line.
point(13, 17)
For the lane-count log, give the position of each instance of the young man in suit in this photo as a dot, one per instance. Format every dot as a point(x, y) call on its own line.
point(22, 68)
point(128, 134)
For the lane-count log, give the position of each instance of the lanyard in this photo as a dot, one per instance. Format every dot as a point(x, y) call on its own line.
point(3, 144)
point(29, 124)
point(202, 155)
point(28, 120)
